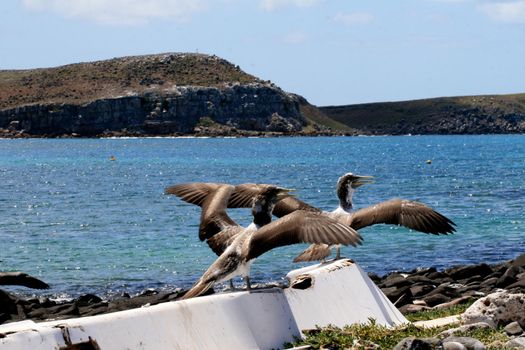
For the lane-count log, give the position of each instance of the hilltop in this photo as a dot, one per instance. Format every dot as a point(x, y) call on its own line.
point(164, 94)
point(84, 82)
point(447, 115)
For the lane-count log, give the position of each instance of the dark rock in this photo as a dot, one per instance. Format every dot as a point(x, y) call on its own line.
point(419, 290)
point(88, 299)
point(489, 282)
point(8, 303)
point(375, 278)
point(517, 285)
point(462, 272)
point(469, 288)
point(446, 289)
point(513, 328)
point(471, 279)
point(420, 280)
point(94, 309)
point(519, 261)
point(461, 300)
point(505, 281)
point(423, 271)
point(399, 296)
point(418, 344)
point(436, 299)
point(437, 275)
point(411, 308)
point(395, 280)
point(4, 317)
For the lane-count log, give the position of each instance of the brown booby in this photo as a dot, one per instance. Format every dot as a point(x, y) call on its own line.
point(21, 279)
point(216, 227)
point(411, 214)
point(242, 247)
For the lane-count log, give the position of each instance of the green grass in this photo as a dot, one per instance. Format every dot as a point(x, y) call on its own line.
point(361, 336)
point(438, 313)
point(82, 82)
point(419, 112)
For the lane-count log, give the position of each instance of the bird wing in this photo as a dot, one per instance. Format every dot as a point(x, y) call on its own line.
point(411, 214)
point(220, 241)
point(214, 218)
point(193, 192)
point(21, 279)
point(301, 226)
point(243, 196)
point(213, 199)
point(314, 252)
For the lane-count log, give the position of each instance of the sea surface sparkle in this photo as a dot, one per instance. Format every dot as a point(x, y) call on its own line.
point(85, 223)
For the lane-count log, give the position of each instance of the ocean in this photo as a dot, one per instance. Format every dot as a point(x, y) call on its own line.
point(87, 224)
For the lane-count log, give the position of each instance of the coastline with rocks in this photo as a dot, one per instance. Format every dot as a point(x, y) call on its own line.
point(411, 291)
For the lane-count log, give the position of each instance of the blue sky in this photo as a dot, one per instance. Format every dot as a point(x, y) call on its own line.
point(332, 52)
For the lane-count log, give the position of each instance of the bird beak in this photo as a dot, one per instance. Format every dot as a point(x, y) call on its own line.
point(284, 193)
point(361, 180)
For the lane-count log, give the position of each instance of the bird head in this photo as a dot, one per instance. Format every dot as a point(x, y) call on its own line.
point(354, 181)
point(346, 185)
point(265, 201)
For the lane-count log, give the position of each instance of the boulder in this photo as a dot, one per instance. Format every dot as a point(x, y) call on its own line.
point(513, 329)
point(454, 346)
point(412, 343)
point(467, 342)
point(465, 328)
point(497, 309)
point(462, 272)
point(516, 343)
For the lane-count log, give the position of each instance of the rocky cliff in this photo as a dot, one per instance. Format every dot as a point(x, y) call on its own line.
point(145, 95)
point(255, 106)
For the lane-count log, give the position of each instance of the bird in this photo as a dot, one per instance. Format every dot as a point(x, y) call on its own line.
point(242, 247)
point(411, 214)
point(215, 198)
point(21, 279)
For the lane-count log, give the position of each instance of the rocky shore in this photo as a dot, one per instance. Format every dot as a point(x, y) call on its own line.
point(410, 291)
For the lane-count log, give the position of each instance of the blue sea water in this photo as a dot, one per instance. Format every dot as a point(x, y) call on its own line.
point(84, 223)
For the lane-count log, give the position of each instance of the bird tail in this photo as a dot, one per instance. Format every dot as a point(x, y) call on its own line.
point(199, 288)
point(314, 252)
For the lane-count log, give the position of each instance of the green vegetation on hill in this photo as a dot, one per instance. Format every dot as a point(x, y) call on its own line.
point(438, 113)
point(84, 82)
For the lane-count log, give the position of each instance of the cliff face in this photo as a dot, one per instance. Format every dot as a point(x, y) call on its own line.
point(260, 107)
point(154, 95)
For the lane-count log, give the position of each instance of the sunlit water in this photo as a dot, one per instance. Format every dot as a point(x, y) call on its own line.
point(84, 223)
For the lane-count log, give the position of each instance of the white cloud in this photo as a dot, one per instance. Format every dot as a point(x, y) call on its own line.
point(119, 12)
point(295, 38)
point(270, 5)
point(353, 18)
point(509, 11)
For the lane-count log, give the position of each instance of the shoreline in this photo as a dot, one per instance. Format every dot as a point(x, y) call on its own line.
point(207, 132)
point(412, 291)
